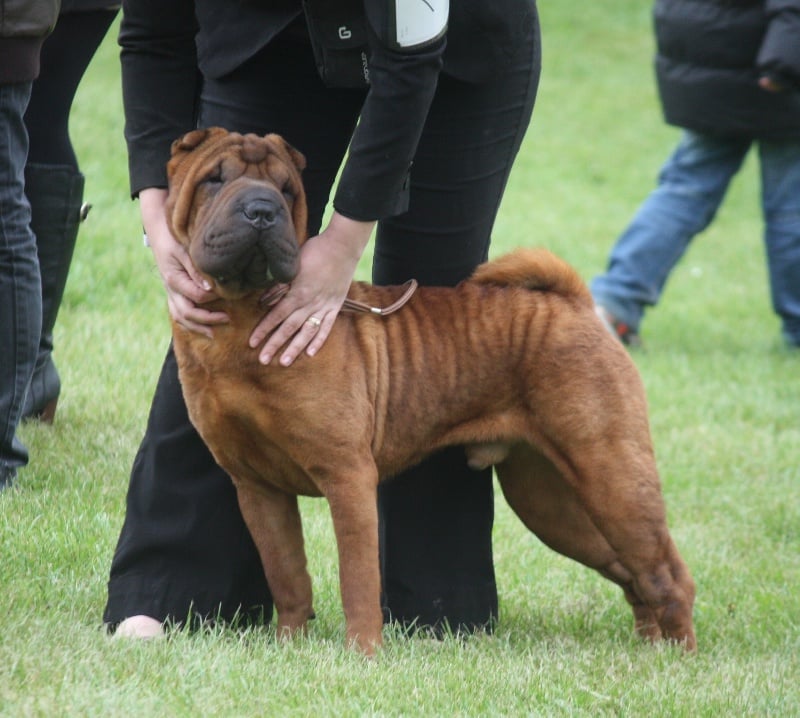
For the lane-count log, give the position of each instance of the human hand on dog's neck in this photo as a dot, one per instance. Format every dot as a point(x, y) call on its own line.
point(304, 317)
point(186, 288)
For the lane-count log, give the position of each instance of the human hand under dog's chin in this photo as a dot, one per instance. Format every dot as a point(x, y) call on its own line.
point(304, 317)
point(186, 289)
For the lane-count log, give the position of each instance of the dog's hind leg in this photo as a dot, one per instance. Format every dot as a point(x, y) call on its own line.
point(273, 519)
point(618, 485)
point(637, 554)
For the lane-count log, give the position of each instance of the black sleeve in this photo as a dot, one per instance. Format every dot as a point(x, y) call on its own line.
point(160, 83)
point(374, 178)
point(780, 51)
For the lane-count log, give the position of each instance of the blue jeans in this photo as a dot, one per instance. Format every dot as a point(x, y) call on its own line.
point(691, 187)
point(20, 285)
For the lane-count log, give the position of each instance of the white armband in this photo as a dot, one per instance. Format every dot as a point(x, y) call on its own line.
point(408, 24)
point(419, 22)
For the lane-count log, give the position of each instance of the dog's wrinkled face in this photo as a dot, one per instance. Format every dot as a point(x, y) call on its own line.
point(236, 203)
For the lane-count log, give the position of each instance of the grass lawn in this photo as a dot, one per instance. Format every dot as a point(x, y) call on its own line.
point(725, 411)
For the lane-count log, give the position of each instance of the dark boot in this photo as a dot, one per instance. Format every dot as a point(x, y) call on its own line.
point(56, 196)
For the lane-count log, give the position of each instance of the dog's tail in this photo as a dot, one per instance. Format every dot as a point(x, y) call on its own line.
point(534, 269)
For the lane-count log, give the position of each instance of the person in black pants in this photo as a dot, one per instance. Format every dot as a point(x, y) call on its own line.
point(456, 102)
point(53, 181)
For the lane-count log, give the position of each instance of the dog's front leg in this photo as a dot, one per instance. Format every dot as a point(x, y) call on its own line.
point(354, 510)
point(273, 520)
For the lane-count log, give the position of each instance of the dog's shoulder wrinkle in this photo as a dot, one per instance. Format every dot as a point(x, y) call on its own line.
point(534, 269)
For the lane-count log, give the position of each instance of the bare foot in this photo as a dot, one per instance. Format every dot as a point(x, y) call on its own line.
point(140, 627)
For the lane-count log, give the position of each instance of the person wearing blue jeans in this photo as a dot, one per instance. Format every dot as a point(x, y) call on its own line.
point(20, 295)
point(24, 27)
point(737, 90)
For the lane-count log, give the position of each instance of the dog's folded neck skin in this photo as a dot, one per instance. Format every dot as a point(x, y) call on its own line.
point(273, 294)
point(247, 309)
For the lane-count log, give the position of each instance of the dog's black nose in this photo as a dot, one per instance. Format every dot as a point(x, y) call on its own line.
point(261, 213)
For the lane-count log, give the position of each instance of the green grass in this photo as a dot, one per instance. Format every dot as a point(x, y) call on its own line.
point(725, 412)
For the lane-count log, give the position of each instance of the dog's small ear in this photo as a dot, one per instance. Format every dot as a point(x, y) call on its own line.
point(189, 141)
point(298, 158)
point(192, 140)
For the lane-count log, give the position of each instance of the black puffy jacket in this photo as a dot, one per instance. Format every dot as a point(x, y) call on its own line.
point(710, 55)
point(24, 24)
point(68, 6)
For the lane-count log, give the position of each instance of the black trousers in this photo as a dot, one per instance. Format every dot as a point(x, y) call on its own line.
point(184, 546)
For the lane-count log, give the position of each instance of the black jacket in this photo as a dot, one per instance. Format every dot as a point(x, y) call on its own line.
point(710, 54)
point(165, 43)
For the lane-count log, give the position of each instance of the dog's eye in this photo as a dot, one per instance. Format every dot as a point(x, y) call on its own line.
point(214, 176)
point(288, 192)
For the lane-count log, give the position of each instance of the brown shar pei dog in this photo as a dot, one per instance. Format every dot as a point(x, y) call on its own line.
point(512, 364)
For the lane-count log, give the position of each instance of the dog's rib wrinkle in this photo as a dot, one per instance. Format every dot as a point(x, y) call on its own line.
point(472, 387)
